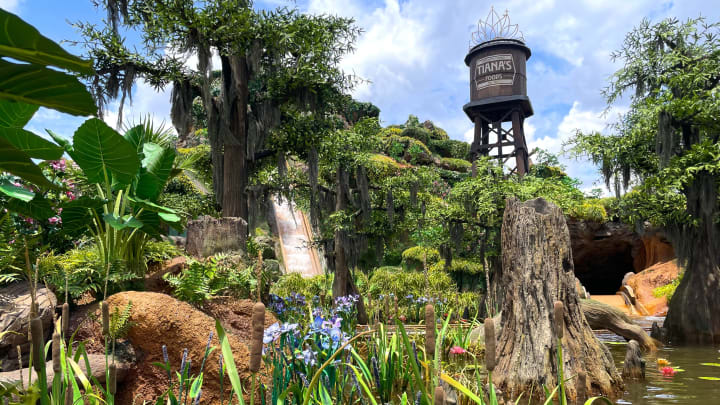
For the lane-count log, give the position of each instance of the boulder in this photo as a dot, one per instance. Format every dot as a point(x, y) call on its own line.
point(207, 236)
point(159, 319)
point(646, 281)
point(15, 318)
point(156, 283)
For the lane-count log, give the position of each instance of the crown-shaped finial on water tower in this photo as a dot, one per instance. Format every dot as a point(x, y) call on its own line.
point(498, 90)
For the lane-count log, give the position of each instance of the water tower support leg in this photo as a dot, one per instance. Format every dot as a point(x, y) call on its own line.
point(521, 153)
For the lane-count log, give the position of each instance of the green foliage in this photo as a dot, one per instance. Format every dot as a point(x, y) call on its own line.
point(120, 321)
point(292, 283)
point(668, 290)
point(160, 251)
point(401, 283)
point(414, 257)
point(409, 149)
point(589, 209)
point(458, 165)
point(450, 148)
point(419, 133)
point(464, 266)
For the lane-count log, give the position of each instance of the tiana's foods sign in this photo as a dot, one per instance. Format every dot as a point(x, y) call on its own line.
point(494, 70)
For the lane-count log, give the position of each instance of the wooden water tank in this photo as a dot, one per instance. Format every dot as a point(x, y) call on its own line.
point(497, 78)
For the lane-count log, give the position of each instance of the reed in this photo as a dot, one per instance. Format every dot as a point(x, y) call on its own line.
point(65, 319)
point(105, 318)
point(56, 353)
point(430, 338)
point(439, 396)
point(490, 342)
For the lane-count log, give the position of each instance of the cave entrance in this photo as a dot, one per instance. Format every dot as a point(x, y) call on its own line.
point(601, 269)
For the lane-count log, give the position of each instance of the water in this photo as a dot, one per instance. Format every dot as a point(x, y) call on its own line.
point(685, 387)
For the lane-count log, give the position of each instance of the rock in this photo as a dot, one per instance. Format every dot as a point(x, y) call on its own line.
point(179, 241)
point(207, 236)
point(603, 253)
point(15, 318)
point(627, 277)
point(645, 282)
point(154, 281)
point(157, 320)
point(235, 315)
point(655, 249)
point(97, 367)
point(634, 365)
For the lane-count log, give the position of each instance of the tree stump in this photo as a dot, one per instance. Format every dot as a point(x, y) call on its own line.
point(537, 270)
point(634, 366)
point(207, 236)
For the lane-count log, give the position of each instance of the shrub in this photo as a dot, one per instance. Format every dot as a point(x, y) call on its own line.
point(668, 290)
point(450, 148)
point(460, 266)
point(409, 149)
point(438, 134)
point(419, 133)
point(589, 210)
point(160, 251)
point(394, 280)
point(390, 131)
point(381, 167)
point(458, 165)
point(413, 257)
point(292, 283)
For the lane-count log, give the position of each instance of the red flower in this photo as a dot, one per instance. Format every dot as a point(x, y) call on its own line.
point(668, 371)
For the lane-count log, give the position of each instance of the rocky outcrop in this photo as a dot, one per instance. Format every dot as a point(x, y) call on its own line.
point(207, 236)
point(603, 253)
point(645, 282)
point(15, 318)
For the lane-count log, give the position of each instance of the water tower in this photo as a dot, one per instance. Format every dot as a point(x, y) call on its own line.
point(498, 91)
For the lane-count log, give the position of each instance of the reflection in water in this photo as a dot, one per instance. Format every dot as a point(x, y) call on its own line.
point(685, 387)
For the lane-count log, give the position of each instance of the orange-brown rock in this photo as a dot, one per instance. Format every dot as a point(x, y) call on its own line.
point(155, 282)
point(655, 249)
point(646, 281)
point(159, 319)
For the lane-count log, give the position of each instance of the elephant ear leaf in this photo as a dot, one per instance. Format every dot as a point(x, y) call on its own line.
point(156, 167)
point(20, 40)
point(103, 154)
point(14, 114)
point(78, 214)
point(35, 146)
point(38, 208)
point(19, 163)
point(14, 191)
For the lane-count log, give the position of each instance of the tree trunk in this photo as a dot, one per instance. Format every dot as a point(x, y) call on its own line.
point(235, 173)
point(694, 312)
point(343, 283)
point(537, 271)
point(603, 316)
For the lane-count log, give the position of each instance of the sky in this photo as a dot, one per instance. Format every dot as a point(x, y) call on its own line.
point(412, 52)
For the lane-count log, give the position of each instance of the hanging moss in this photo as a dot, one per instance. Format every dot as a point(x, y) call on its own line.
point(390, 207)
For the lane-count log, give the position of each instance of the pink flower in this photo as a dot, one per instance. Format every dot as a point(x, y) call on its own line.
point(668, 371)
point(457, 350)
point(70, 195)
point(55, 220)
point(58, 165)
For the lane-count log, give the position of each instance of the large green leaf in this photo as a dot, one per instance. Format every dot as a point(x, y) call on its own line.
point(77, 215)
point(14, 191)
point(136, 136)
point(21, 41)
point(126, 221)
point(103, 154)
point(33, 84)
point(151, 206)
point(35, 146)
point(157, 164)
point(38, 208)
point(14, 114)
point(17, 162)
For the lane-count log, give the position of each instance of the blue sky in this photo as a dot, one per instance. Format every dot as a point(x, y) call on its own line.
point(412, 54)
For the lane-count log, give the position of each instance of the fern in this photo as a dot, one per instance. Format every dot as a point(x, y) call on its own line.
point(120, 321)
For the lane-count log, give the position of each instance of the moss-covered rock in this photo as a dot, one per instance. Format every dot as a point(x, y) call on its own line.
point(381, 166)
point(412, 258)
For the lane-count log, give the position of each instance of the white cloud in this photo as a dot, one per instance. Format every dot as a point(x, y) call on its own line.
point(10, 5)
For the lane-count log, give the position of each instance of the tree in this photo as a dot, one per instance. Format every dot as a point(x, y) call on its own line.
point(668, 141)
point(271, 62)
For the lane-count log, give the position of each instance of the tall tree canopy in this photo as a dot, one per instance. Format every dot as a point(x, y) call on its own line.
point(667, 144)
point(275, 66)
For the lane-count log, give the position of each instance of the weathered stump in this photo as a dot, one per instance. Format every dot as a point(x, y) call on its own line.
point(537, 271)
point(207, 236)
point(634, 366)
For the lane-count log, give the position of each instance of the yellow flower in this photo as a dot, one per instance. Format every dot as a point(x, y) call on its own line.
point(662, 362)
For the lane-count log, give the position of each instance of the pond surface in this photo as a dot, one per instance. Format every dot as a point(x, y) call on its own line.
point(685, 387)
